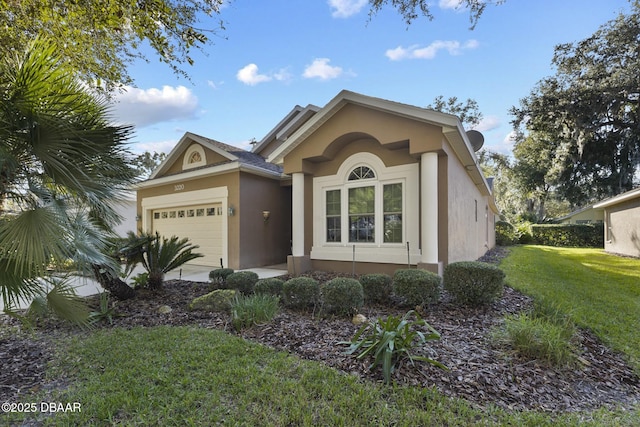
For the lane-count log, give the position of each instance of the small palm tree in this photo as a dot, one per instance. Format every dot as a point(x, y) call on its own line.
point(158, 255)
point(63, 164)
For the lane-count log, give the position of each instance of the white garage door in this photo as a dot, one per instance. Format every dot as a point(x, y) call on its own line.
point(202, 224)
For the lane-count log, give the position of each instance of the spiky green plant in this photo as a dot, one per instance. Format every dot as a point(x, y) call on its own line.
point(159, 255)
point(390, 340)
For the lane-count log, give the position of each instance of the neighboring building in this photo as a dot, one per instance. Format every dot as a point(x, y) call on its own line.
point(363, 178)
point(586, 215)
point(622, 223)
point(126, 208)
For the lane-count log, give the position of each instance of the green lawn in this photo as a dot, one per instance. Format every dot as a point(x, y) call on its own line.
point(600, 291)
point(190, 376)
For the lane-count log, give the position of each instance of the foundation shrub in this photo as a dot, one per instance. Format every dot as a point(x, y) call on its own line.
point(473, 283)
point(242, 281)
point(301, 293)
point(270, 286)
point(218, 300)
point(416, 287)
point(218, 276)
point(377, 288)
point(342, 296)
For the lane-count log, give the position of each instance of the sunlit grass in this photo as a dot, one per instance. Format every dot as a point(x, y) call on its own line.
point(600, 291)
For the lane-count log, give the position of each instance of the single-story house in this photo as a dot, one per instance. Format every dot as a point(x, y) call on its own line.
point(622, 223)
point(586, 215)
point(361, 179)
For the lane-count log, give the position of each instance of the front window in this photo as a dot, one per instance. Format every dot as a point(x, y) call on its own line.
point(392, 207)
point(362, 218)
point(370, 210)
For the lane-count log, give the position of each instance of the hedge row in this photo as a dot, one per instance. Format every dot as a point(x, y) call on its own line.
point(576, 235)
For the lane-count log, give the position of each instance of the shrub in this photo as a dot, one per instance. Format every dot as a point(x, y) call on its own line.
point(218, 300)
point(140, 280)
point(416, 287)
point(242, 281)
point(537, 338)
point(473, 283)
point(574, 235)
point(391, 340)
point(270, 286)
point(219, 276)
point(523, 233)
point(505, 234)
point(247, 311)
point(301, 293)
point(377, 288)
point(343, 296)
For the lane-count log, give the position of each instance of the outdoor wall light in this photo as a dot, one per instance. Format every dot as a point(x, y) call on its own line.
point(232, 211)
point(266, 215)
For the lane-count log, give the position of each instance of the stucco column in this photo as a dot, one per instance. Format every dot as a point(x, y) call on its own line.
point(429, 207)
point(297, 217)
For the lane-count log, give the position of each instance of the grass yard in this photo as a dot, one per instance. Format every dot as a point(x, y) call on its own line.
point(598, 290)
point(189, 376)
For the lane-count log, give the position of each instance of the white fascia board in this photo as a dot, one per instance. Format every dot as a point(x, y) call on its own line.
point(198, 173)
point(276, 129)
point(629, 195)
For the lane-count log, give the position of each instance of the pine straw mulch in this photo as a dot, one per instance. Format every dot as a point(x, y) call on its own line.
point(479, 372)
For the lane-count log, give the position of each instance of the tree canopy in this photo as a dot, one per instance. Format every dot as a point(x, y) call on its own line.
point(585, 119)
point(410, 10)
point(101, 38)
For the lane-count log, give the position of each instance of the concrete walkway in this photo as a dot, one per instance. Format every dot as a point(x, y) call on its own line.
point(85, 286)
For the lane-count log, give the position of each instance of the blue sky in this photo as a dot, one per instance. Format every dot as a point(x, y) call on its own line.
point(279, 53)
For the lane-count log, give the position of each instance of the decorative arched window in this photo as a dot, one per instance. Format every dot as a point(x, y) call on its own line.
point(361, 172)
point(194, 157)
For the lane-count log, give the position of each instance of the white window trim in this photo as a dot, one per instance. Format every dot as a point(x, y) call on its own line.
point(380, 252)
point(194, 148)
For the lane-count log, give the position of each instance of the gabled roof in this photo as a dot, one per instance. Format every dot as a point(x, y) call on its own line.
point(451, 128)
point(235, 158)
point(289, 124)
point(629, 195)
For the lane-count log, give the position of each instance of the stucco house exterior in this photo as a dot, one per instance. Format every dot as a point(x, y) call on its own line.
point(586, 215)
point(622, 223)
point(361, 179)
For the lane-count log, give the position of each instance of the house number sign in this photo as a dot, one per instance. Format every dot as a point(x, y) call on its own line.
point(178, 187)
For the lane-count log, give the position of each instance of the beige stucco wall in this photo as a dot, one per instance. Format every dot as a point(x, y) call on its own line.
point(211, 157)
point(622, 228)
point(470, 220)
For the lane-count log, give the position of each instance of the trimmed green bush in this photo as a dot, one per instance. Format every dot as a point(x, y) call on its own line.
point(473, 283)
point(242, 281)
point(416, 287)
point(377, 288)
point(219, 276)
point(270, 286)
point(572, 235)
point(218, 300)
point(247, 311)
point(342, 295)
point(301, 293)
point(505, 234)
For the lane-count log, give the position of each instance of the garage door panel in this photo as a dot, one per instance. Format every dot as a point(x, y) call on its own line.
point(201, 224)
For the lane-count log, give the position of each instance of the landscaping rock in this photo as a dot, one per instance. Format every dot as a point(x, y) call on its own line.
point(164, 309)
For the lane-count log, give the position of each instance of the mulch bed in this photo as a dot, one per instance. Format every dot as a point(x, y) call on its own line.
point(479, 372)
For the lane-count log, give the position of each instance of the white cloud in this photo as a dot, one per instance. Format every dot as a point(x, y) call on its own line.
point(321, 69)
point(454, 47)
point(144, 107)
point(157, 146)
point(449, 4)
point(346, 8)
point(249, 75)
point(488, 123)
